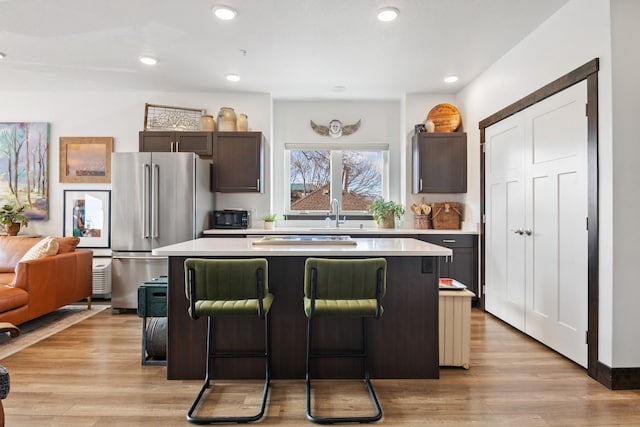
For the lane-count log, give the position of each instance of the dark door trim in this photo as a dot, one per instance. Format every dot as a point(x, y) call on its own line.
point(588, 72)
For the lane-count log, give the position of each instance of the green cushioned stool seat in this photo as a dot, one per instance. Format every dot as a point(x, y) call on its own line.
point(228, 287)
point(347, 288)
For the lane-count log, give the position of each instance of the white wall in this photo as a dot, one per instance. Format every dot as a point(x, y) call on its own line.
point(577, 33)
point(116, 114)
point(380, 124)
point(417, 106)
point(625, 202)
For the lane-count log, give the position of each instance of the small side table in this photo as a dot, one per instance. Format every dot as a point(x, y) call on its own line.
point(455, 327)
point(152, 303)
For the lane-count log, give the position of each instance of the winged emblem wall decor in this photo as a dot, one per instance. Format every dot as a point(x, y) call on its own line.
point(335, 128)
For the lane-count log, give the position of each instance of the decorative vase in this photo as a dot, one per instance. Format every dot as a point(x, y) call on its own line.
point(430, 126)
point(269, 225)
point(13, 229)
point(388, 221)
point(207, 123)
point(243, 123)
point(227, 121)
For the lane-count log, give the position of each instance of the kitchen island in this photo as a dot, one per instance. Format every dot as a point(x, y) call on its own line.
point(402, 344)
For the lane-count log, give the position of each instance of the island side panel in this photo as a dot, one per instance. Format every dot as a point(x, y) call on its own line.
point(402, 344)
point(185, 337)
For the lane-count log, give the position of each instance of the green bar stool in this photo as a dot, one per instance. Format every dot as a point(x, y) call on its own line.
point(348, 288)
point(228, 287)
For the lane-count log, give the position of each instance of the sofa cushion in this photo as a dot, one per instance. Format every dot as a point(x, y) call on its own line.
point(45, 247)
point(67, 244)
point(12, 249)
point(11, 298)
point(6, 278)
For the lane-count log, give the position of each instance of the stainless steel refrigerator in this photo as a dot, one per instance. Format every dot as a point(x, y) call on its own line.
point(158, 199)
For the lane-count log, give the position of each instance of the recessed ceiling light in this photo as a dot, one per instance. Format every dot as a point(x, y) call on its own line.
point(339, 88)
point(148, 60)
point(232, 77)
point(387, 14)
point(2, 55)
point(451, 79)
point(224, 12)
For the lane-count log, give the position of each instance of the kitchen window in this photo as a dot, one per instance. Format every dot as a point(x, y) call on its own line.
point(354, 174)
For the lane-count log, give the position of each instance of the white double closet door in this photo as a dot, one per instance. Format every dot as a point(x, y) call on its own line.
point(536, 221)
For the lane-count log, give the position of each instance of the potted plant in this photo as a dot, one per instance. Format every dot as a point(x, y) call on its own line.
point(12, 218)
point(386, 212)
point(269, 221)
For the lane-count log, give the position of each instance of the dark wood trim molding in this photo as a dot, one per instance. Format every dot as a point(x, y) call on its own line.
point(588, 72)
point(618, 378)
point(544, 92)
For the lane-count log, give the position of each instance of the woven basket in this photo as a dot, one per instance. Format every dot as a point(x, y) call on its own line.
point(422, 222)
point(446, 215)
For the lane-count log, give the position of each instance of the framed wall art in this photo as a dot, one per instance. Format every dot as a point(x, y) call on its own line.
point(24, 170)
point(85, 159)
point(87, 215)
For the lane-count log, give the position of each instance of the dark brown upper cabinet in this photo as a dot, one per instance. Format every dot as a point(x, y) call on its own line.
point(238, 162)
point(200, 143)
point(439, 162)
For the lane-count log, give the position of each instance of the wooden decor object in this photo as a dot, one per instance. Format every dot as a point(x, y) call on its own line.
point(445, 117)
point(446, 215)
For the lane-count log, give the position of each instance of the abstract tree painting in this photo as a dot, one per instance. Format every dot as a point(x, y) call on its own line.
point(24, 160)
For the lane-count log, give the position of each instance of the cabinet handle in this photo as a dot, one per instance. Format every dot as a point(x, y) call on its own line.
point(448, 240)
point(420, 184)
point(177, 146)
point(172, 146)
point(519, 231)
point(528, 232)
point(258, 184)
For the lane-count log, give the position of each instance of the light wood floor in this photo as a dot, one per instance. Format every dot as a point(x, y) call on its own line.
point(90, 375)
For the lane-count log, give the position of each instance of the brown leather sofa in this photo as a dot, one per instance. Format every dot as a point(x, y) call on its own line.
point(32, 288)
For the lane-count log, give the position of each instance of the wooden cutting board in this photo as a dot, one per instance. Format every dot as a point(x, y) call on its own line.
point(446, 118)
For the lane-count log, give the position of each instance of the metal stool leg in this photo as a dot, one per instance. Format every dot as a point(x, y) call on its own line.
point(211, 355)
point(367, 381)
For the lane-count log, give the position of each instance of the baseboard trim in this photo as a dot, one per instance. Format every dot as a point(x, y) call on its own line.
point(618, 378)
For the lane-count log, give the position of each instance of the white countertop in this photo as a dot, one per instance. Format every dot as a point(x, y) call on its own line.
point(221, 246)
point(343, 230)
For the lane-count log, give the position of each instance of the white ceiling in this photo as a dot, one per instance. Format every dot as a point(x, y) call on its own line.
point(295, 49)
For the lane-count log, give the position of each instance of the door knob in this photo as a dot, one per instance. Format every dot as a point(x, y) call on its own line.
point(528, 232)
point(519, 231)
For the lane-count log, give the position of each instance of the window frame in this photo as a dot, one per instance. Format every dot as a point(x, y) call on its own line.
point(335, 150)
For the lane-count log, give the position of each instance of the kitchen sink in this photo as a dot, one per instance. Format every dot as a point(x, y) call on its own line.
point(311, 239)
point(339, 229)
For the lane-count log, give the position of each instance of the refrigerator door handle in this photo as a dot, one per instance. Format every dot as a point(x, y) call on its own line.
point(155, 184)
point(145, 200)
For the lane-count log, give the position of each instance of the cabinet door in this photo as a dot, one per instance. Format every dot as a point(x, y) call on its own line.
point(200, 143)
point(238, 162)
point(463, 265)
point(440, 162)
point(155, 141)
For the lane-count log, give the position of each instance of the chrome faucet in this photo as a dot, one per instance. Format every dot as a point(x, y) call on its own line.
point(335, 207)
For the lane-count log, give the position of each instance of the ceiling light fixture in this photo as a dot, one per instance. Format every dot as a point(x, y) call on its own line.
point(148, 60)
point(224, 13)
point(2, 55)
point(339, 88)
point(387, 14)
point(232, 77)
point(451, 79)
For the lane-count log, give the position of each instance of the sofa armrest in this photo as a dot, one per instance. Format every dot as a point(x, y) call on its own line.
point(56, 280)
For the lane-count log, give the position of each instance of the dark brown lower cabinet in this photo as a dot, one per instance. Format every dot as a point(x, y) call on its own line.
point(463, 265)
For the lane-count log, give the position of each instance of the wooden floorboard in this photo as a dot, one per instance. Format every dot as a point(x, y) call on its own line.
point(90, 375)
